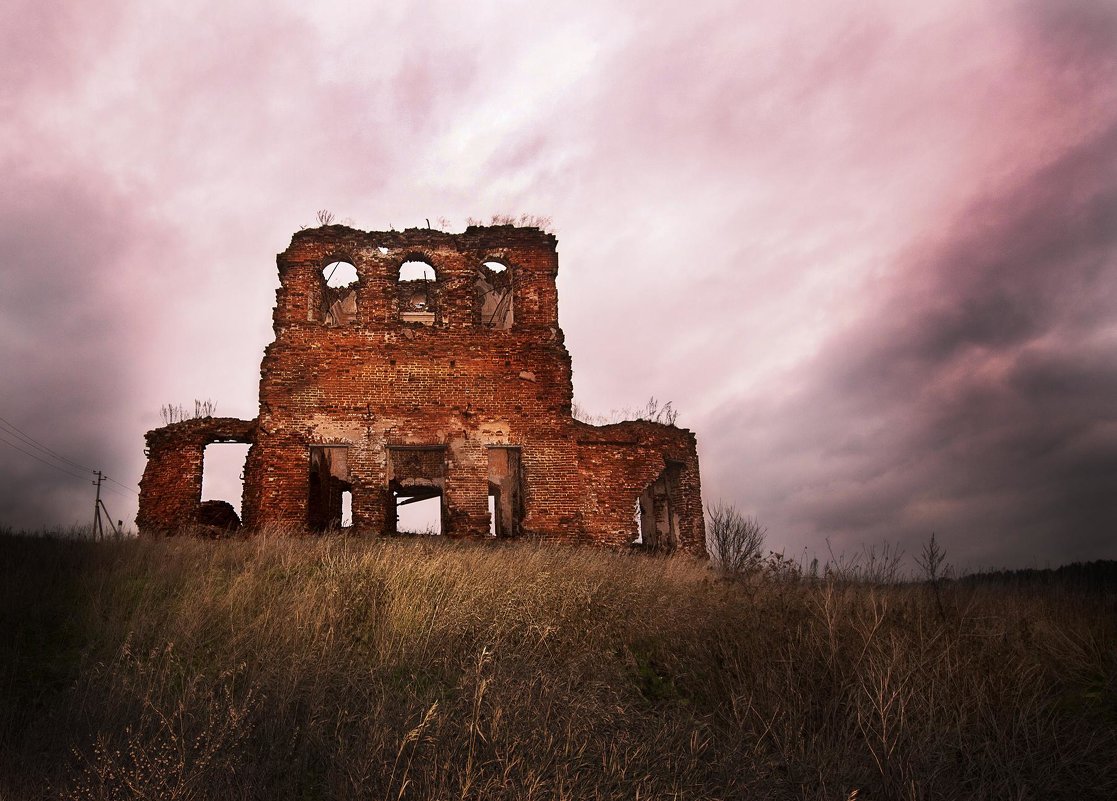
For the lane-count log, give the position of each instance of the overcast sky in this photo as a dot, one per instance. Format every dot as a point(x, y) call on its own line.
point(867, 249)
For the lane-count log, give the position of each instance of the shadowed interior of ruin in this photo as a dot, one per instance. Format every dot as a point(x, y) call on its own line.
point(422, 367)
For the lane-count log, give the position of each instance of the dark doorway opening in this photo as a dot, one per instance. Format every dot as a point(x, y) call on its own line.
point(329, 483)
point(658, 524)
point(506, 496)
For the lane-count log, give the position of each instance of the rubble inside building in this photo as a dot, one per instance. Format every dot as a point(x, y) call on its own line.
point(420, 366)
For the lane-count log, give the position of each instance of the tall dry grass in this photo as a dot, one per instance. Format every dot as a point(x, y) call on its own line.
point(305, 668)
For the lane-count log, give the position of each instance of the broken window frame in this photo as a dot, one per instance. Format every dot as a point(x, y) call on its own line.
point(502, 315)
point(406, 310)
point(658, 503)
point(339, 304)
point(413, 486)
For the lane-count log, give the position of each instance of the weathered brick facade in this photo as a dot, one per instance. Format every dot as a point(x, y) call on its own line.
point(458, 387)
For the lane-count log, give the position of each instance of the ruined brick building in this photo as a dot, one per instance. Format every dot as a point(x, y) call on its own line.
point(438, 372)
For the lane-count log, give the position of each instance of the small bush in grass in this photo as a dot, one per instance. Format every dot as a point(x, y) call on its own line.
point(735, 542)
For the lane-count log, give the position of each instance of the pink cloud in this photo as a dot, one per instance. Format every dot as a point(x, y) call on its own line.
point(858, 246)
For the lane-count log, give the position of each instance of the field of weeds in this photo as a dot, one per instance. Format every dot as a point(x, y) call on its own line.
point(304, 668)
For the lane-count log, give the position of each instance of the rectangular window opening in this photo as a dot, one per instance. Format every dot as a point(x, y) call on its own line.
point(416, 477)
point(419, 511)
point(223, 483)
point(347, 509)
point(638, 514)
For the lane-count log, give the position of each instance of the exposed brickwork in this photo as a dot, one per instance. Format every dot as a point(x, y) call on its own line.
point(457, 388)
point(171, 487)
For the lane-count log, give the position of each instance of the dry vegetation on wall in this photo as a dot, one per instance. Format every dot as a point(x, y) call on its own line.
point(652, 411)
point(176, 413)
point(412, 669)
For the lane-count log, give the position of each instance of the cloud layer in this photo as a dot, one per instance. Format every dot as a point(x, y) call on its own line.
point(867, 250)
point(976, 398)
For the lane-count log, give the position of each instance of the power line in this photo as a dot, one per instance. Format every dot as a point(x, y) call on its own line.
point(114, 481)
point(34, 443)
point(9, 428)
point(44, 461)
point(118, 494)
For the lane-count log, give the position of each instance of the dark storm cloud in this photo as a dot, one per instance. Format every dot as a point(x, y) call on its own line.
point(978, 398)
point(1078, 30)
point(1037, 259)
point(65, 342)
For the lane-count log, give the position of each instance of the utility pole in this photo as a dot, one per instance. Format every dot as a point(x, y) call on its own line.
point(98, 507)
point(98, 529)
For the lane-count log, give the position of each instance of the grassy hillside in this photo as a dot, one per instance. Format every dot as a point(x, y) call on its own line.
point(412, 669)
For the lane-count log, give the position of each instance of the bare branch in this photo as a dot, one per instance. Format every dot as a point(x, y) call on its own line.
point(735, 542)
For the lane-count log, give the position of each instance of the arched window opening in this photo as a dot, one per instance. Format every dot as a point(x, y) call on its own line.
point(339, 274)
point(416, 270)
point(494, 295)
point(339, 297)
point(416, 294)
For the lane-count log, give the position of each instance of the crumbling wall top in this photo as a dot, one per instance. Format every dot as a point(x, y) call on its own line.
point(202, 431)
point(475, 237)
point(630, 430)
point(499, 277)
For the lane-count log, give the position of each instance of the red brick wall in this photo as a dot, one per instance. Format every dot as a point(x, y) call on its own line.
point(378, 382)
point(171, 487)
